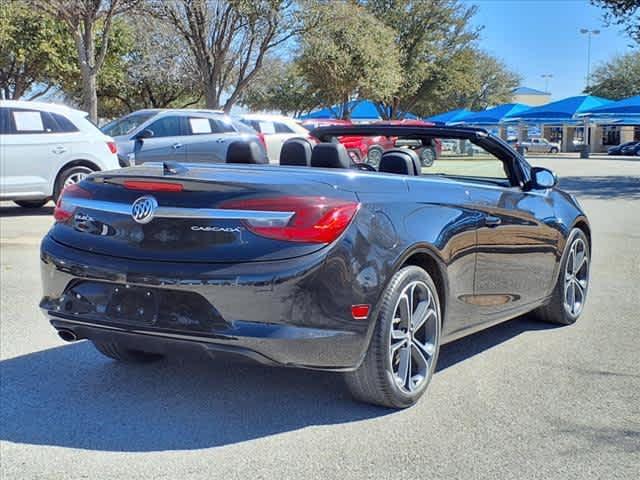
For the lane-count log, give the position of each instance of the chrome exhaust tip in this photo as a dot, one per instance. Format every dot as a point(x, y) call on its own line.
point(67, 335)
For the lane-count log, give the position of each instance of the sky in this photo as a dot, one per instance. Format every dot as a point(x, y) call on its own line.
point(535, 37)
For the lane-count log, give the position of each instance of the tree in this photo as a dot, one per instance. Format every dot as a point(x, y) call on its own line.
point(622, 12)
point(349, 55)
point(429, 34)
point(36, 51)
point(90, 23)
point(280, 86)
point(229, 39)
point(473, 79)
point(156, 69)
point(618, 78)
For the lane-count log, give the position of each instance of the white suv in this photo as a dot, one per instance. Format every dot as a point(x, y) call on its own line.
point(44, 147)
point(276, 130)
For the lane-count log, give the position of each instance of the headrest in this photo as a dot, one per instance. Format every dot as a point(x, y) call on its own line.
point(401, 161)
point(246, 152)
point(330, 155)
point(296, 151)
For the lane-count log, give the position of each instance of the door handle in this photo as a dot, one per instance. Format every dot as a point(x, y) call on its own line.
point(220, 140)
point(176, 146)
point(491, 221)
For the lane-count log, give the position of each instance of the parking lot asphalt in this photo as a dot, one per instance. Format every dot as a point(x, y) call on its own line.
point(521, 400)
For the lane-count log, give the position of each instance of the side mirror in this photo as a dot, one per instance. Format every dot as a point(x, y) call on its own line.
point(543, 178)
point(146, 133)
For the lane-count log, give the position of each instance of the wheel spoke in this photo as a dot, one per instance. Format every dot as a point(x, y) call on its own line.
point(571, 260)
point(420, 357)
point(398, 345)
point(404, 310)
point(571, 295)
point(405, 366)
point(420, 315)
point(427, 349)
point(579, 290)
point(411, 293)
point(579, 260)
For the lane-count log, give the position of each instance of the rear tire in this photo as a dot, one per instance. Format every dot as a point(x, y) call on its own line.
point(570, 292)
point(118, 352)
point(31, 203)
point(403, 351)
point(68, 176)
point(554, 150)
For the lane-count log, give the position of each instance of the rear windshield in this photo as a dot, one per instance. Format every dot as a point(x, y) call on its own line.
point(127, 124)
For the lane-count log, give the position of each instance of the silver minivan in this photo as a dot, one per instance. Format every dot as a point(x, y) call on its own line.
point(193, 136)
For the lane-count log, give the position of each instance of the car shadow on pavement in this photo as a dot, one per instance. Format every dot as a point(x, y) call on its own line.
point(15, 211)
point(602, 187)
point(471, 345)
point(71, 396)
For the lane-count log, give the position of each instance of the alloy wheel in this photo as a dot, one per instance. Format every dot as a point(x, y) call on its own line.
point(576, 278)
point(374, 156)
point(427, 157)
point(75, 178)
point(414, 337)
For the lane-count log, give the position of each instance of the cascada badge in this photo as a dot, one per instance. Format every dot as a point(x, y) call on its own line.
point(143, 209)
point(198, 228)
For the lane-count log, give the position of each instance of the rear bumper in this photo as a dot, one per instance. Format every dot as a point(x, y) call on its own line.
point(293, 312)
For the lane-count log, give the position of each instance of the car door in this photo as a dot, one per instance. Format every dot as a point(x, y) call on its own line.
point(517, 247)
point(166, 143)
point(516, 242)
point(208, 139)
point(33, 148)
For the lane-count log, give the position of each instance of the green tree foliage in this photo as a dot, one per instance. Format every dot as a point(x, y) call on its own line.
point(429, 35)
point(89, 23)
point(472, 79)
point(618, 78)
point(280, 86)
point(348, 55)
point(147, 67)
point(35, 51)
point(111, 80)
point(622, 12)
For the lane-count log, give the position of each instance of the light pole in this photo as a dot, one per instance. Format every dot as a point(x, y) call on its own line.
point(589, 34)
point(547, 77)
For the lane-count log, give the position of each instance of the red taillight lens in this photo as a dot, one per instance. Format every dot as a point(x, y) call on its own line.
point(153, 186)
point(113, 148)
point(64, 206)
point(314, 220)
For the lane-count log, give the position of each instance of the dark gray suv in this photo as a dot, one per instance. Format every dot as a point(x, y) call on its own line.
point(178, 135)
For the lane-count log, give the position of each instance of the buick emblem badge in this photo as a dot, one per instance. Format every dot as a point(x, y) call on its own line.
point(143, 209)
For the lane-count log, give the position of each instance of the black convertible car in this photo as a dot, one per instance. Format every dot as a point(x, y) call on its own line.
point(317, 263)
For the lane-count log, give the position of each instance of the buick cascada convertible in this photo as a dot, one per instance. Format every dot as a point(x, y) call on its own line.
point(317, 262)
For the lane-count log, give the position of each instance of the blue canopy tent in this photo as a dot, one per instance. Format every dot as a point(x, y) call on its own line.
point(622, 109)
point(361, 110)
point(492, 116)
point(449, 117)
point(561, 112)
